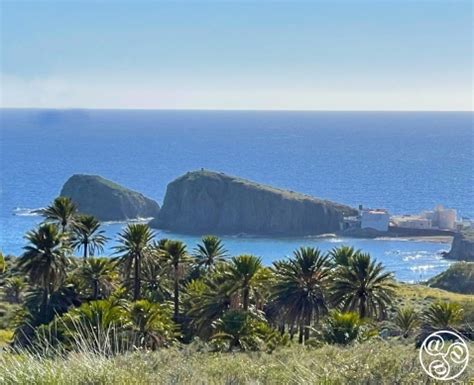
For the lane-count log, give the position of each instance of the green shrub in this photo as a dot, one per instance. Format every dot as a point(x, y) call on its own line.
point(443, 315)
point(341, 328)
point(406, 321)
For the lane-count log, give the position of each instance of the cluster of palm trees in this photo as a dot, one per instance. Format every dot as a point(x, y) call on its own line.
point(162, 292)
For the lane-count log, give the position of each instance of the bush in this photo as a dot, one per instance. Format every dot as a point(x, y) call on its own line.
point(443, 315)
point(242, 330)
point(406, 321)
point(341, 328)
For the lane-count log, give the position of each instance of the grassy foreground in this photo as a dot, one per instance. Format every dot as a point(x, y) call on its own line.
point(392, 361)
point(376, 362)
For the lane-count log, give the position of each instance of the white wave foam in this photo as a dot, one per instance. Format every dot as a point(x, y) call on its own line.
point(422, 268)
point(133, 220)
point(413, 257)
point(26, 212)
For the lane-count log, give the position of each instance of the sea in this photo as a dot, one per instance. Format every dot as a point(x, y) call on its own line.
point(405, 162)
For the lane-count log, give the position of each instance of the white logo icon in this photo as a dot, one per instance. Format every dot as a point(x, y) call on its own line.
point(444, 355)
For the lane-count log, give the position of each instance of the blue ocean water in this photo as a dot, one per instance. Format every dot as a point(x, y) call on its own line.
point(403, 161)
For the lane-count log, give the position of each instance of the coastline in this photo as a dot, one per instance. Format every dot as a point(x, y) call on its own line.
point(444, 239)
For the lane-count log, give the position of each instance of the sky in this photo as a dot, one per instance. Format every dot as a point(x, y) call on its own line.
point(315, 55)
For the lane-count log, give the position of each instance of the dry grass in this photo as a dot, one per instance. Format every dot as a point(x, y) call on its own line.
point(377, 362)
point(419, 297)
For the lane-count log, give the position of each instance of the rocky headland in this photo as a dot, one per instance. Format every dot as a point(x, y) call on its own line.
point(202, 202)
point(107, 200)
point(462, 248)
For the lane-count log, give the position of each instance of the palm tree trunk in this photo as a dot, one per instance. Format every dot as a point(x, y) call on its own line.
point(307, 325)
point(245, 300)
point(300, 337)
point(44, 299)
point(292, 331)
point(86, 246)
point(136, 285)
point(362, 308)
point(95, 294)
point(281, 329)
point(176, 293)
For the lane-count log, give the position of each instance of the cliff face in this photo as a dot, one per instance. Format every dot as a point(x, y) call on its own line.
point(462, 248)
point(106, 200)
point(203, 202)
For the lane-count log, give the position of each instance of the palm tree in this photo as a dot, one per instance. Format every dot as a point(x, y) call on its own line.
point(242, 274)
point(239, 329)
point(88, 235)
point(134, 244)
point(300, 287)
point(44, 259)
point(102, 314)
point(13, 289)
point(443, 315)
point(210, 252)
point(406, 320)
point(342, 255)
point(363, 286)
point(97, 326)
point(342, 328)
point(206, 300)
point(62, 211)
point(37, 313)
point(155, 278)
point(152, 325)
point(98, 273)
point(176, 257)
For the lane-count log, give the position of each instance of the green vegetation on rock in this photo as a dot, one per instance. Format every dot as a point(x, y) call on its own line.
point(458, 278)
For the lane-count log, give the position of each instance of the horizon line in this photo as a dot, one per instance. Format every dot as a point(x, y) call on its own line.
point(217, 109)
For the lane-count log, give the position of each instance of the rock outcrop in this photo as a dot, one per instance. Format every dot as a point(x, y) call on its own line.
point(106, 200)
point(204, 202)
point(462, 248)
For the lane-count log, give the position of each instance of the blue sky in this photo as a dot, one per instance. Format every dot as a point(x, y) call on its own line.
point(319, 55)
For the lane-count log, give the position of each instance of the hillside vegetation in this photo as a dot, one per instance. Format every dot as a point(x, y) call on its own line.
point(158, 312)
point(458, 278)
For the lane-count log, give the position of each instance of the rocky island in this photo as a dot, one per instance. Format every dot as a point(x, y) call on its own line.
point(107, 200)
point(202, 202)
point(462, 248)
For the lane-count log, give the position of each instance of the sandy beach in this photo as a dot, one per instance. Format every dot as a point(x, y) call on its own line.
point(433, 238)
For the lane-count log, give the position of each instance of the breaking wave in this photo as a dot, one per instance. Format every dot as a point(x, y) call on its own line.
point(133, 220)
point(25, 212)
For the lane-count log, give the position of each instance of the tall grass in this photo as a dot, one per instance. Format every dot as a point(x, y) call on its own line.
point(376, 362)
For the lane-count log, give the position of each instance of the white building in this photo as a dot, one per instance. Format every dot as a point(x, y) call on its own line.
point(377, 219)
point(412, 222)
point(442, 218)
